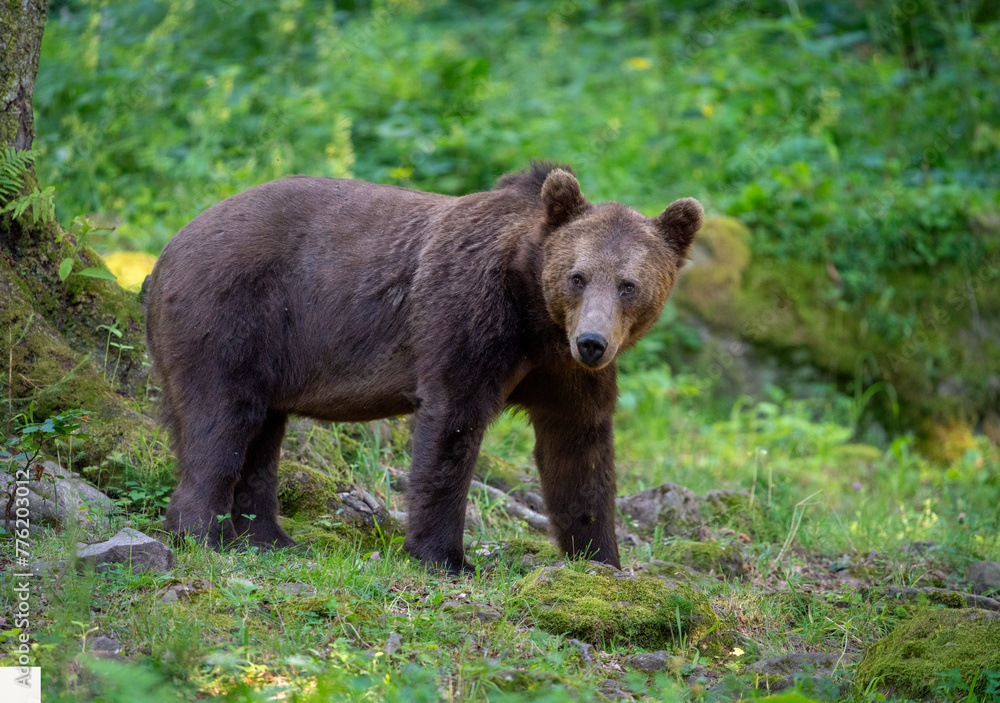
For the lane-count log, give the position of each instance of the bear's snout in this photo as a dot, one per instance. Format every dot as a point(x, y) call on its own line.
point(591, 347)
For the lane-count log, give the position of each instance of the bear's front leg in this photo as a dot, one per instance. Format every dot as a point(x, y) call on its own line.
point(445, 447)
point(575, 454)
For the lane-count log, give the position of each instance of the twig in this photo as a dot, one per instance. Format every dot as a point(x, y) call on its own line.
point(535, 520)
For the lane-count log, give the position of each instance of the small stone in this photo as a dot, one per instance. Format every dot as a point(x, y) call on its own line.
point(392, 644)
point(615, 690)
point(131, 548)
point(787, 667)
point(293, 589)
point(584, 649)
point(984, 578)
point(104, 644)
point(649, 662)
point(184, 591)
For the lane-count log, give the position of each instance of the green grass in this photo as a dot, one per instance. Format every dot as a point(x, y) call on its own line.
point(240, 636)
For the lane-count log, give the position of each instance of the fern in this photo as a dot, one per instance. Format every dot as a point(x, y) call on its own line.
point(14, 163)
point(40, 201)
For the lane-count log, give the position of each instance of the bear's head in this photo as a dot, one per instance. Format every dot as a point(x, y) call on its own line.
point(607, 269)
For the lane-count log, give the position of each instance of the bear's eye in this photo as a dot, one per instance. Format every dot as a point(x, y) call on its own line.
point(577, 280)
point(626, 288)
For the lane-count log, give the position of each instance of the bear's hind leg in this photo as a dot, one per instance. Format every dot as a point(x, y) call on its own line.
point(255, 500)
point(212, 452)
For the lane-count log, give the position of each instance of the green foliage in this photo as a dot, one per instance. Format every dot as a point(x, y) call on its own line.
point(14, 166)
point(21, 452)
point(82, 230)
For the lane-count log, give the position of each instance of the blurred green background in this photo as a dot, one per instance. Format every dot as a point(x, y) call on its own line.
point(857, 141)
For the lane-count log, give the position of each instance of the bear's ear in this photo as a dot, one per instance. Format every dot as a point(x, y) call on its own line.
point(679, 223)
point(562, 198)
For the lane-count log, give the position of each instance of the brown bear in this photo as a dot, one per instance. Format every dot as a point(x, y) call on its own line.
point(349, 301)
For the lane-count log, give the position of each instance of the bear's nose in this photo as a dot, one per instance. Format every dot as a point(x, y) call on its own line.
point(591, 347)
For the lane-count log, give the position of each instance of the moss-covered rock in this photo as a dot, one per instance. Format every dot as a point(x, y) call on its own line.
point(599, 604)
point(305, 492)
point(321, 511)
point(908, 661)
point(669, 508)
point(941, 362)
point(739, 511)
point(525, 555)
point(707, 557)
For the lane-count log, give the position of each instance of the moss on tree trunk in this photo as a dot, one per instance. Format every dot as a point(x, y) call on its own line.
point(54, 340)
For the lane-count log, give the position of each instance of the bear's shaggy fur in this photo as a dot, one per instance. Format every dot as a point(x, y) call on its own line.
point(350, 301)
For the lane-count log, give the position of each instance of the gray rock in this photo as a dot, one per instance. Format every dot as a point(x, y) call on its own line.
point(392, 644)
point(675, 509)
point(61, 496)
point(46, 568)
point(293, 589)
point(185, 591)
point(984, 578)
point(584, 649)
point(943, 596)
point(649, 661)
point(783, 671)
point(104, 644)
point(131, 548)
point(701, 675)
point(728, 688)
point(614, 690)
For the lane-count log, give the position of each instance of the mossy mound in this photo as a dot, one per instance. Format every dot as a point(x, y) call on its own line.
point(909, 661)
point(533, 547)
point(525, 555)
point(599, 604)
point(706, 557)
point(305, 492)
point(940, 362)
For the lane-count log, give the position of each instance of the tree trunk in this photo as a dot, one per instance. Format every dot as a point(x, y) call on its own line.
point(55, 343)
point(21, 26)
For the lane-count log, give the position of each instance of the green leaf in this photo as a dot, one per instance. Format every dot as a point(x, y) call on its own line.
point(65, 268)
point(92, 272)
